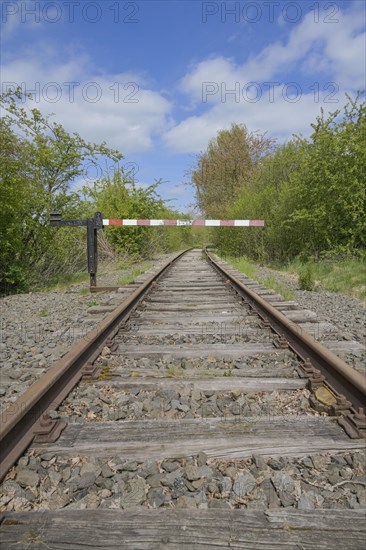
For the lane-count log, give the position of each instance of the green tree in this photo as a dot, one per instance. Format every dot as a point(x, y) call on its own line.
point(118, 196)
point(14, 171)
point(225, 168)
point(262, 199)
point(311, 193)
point(38, 163)
point(328, 189)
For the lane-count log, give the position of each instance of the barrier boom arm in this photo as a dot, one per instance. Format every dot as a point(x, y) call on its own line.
point(98, 222)
point(195, 223)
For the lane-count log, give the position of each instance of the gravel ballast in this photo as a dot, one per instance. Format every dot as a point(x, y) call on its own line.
point(78, 478)
point(346, 312)
point(38, 328)
point(48, 482)
point(103, 403)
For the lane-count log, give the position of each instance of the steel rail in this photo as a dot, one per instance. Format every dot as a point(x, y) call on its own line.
point(20, 420)
point(342, 378)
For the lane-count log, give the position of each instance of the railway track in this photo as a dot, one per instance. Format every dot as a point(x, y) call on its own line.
point(186, 421)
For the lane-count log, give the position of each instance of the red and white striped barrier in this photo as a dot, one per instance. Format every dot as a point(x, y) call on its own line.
point(208, 223)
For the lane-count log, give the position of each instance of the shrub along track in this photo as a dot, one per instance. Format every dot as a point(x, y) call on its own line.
point(195, 425)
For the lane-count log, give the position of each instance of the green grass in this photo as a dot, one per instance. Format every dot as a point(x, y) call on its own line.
point(244, 265)
point(43, 312)
point(277, 286)
point(249, 268)
point(63, 282)
point(347, 276)
point(136, 271)
point(84, 291)
point(172, 372)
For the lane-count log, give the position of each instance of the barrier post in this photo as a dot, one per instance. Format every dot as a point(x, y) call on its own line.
point(92, 226)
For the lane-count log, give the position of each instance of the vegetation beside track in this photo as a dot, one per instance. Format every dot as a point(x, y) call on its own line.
point(42, 169)
point(342, 275)
point(250, 269)
point(310, 192)
point(346, 275)
point(130, 269)
point(134, 272)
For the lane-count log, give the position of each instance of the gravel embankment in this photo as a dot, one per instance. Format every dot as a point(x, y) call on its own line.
point(38, 328)
point(45, 479)
point(345, 312)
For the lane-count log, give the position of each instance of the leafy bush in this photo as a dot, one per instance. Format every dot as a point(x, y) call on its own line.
point(310, 192)
point(306, 277)
point(39, 160)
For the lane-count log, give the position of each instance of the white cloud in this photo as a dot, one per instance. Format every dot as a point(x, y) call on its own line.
point(18, 16)
point(117, 108)
point(129, 114)
point(325, 52)
point(341, 43)
point(206, 72)
point(280, 117)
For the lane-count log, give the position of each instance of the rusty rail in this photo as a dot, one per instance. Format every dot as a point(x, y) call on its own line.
point(27, 417)
point(340, 377)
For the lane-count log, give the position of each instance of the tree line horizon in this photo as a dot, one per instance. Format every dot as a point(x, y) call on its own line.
point(310, 192)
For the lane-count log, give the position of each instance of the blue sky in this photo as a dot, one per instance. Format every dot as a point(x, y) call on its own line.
point(158, 79)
